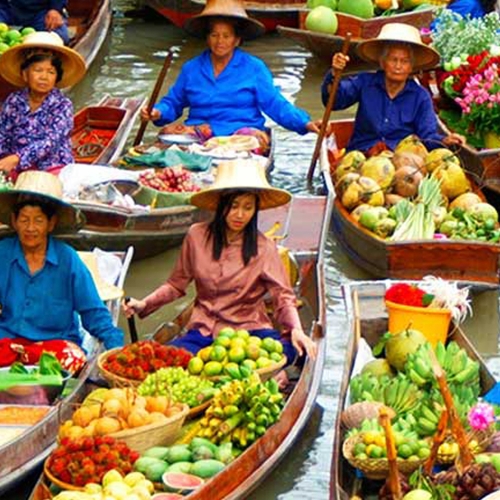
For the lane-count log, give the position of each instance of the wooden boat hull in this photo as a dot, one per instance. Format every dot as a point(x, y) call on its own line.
point(450, 259)
point(323, 46)
point(90, 21)
point(269, 13)
point(344, 482)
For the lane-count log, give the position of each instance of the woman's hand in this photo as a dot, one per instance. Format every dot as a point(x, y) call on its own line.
point(9, 163)
point(454, 139)
point(147, 116)
point(53, 20)
point(133, 306)
point(302, 342)
point(339, 61)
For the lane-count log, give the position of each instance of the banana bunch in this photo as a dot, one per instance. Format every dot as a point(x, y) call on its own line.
point(427, 416)
point(418, 365)
point(367, 425)
point(459, 368)
point(367, 387)
point(401, 394)
point(405, 424)
point(241, 411)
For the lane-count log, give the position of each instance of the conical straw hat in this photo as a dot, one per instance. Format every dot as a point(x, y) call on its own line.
point(241, 175)
point(248, 28)
point(371, 50)
point(73, 64)
point(45, 187)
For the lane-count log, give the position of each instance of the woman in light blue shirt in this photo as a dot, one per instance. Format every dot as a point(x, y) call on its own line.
point(44, 285)
point(225, 87)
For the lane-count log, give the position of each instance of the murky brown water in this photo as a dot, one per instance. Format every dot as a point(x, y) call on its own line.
point(128, 66)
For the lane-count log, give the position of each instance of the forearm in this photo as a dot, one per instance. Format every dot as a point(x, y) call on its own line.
point(161, 296)
point(98, 323)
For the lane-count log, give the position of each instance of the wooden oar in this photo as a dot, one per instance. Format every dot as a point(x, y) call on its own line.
point(328, 109)
point(154, 95)
point(131, 326)
point(393, 482)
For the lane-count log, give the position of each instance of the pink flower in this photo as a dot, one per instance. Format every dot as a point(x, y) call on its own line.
point(481, 416)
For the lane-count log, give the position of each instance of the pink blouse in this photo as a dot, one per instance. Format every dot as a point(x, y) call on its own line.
point(228, 293)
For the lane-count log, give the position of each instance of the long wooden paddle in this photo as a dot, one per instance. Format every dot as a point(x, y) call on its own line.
point(131, 326)
point(154, 95)
point(328, 109)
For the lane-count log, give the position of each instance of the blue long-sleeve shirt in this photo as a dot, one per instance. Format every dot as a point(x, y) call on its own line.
point(465, 7)
point(46, 305)
point(235, 99)
point(24, 10)
point(380, 118)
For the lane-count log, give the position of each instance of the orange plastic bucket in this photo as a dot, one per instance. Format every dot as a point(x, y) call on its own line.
point(433, 323)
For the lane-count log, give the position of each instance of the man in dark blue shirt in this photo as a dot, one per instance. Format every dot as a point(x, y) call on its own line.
point(43, 15)
point(391, 106)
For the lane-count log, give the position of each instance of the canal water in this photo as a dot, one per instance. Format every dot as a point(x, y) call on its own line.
point(127, 66)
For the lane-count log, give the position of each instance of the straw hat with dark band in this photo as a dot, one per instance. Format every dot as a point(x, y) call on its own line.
point(248, 28)
point(41, 186)
point(398, 33)
point(73, 64)
point(241, 175)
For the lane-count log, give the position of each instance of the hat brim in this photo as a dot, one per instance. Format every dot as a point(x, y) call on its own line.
point(425, 57)
point(69, 218)
point(248, 28)
point(73, 64)
point(208, 199)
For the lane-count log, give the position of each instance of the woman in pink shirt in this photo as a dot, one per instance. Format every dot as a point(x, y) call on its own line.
point(233, 265)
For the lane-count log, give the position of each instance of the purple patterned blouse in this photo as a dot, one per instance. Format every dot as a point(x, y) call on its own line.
point(41, 139)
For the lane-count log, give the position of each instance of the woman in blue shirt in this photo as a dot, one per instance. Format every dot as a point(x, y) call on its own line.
point(44, 285)
point(225, 87)
point(391, 105)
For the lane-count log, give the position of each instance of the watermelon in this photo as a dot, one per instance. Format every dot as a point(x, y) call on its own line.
point(179, 482)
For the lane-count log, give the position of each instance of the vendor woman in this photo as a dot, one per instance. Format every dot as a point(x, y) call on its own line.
point(44, 285)
point(233, 266)
point(36, 121)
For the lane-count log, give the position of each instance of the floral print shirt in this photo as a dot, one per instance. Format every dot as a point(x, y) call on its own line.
point(41, 139)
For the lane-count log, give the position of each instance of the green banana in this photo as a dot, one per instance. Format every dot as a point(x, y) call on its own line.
point(426, 427)
point(468, 373)
point(415, 377)
point(427, 413)
point(440, 351)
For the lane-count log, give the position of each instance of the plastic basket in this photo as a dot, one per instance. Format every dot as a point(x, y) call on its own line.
point(432, 322)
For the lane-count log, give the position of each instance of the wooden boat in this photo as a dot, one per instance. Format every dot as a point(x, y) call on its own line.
point(88, 24)
point(450, 259)
point(100, 131)
point(306, 241)
point(368, 320)
point(24, 454)
point(324, 46)
point(270, 13)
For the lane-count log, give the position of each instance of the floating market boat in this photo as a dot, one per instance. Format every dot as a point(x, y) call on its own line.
point(25, 453)
point(88, 25)
point(365, 309)
point(324, 46)
point(464, 260)
point(269, 13)
point(304, 223)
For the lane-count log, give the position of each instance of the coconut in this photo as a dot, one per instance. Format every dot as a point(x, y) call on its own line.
point(406, 181)
point(483, 211)
point(401, 344)
point(465, 201)
point(454, 182)
point(352, 417)
point(371, 192)
point(411, 144)
point(350, 163)
point(378, 367)
point(354, 190)
point(380, 169)
point(439, 157)
point(408, 159)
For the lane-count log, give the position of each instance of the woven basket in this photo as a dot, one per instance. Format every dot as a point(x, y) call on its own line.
point(157, 434)
point(375, 468)
point(114, 380)
point(271, 370)
point(483, 439)
point(58, 482)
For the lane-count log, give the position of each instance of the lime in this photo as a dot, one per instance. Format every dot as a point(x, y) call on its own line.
point(227, 331)
point(27, 31)
point(3, 27)
point(263, 362)
point(195, 365)
point(250, 363)
point(423, 452)
point(237, 354)
point(218, 353)
point(212, 368)
point(12, 35)
point(3, 47)
point(222, 340)
point(204, 353)
point(276, 357)
point(374, 451)
point(242, 334)
point(359, 448)
point(253, 351)
point(254, 340)
point(263, 353)
point(268, 344)
point(278, 347)
point(370, 436)
point(237, 342)
point(404, 450)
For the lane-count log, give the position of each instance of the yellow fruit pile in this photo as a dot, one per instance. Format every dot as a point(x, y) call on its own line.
point(111, 410)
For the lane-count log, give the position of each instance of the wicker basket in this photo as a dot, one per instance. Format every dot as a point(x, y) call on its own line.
point(156, 434)
point(483, 439)
point(375, 468)
point(114, 380)
point(58, 482)
point(271, 370)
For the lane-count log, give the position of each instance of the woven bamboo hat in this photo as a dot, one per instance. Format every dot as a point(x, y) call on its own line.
point(399, 33)
point(73, 63)
point(248, 28)
point(38, 185)
point(241, 175)
point(106, 290)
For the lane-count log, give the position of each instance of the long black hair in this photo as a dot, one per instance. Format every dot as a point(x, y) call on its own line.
point(44, 56)
point(217, 229)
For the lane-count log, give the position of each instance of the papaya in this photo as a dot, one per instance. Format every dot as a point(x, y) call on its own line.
point(206, 468)
point(160, 452)
point(179, 453)
point(155, 471)
point(142, 463)
point(199, 441)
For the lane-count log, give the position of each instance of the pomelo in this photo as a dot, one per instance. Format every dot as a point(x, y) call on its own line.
point(331, 4)
point(359, 8)
point(27, 30)
point(322, 20)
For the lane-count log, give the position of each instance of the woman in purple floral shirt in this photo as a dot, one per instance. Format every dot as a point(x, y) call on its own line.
point(36, 122)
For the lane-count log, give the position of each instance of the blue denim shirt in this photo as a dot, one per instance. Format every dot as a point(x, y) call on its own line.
point(45, 305)
point(237, 98)
point(380, 118)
